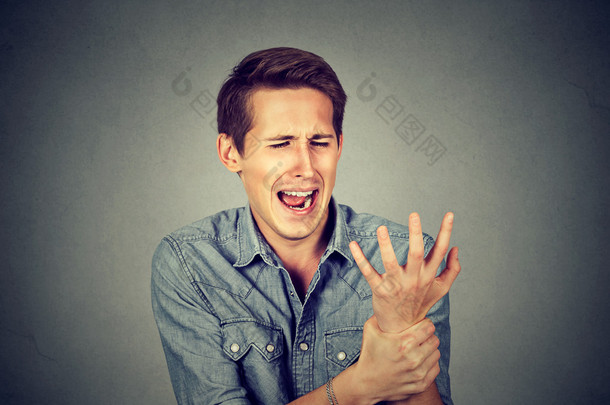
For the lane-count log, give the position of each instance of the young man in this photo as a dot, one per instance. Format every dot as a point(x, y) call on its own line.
point(277, 302)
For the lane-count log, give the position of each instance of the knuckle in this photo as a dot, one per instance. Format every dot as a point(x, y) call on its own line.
point(363, 264)
point(443, 247)
point(428, 327)
point(437, 342)
point(436, 356)
point(421, 385)
point(433, 343)
point(435, 372)
point(391, 283)
point(409, 343)
point(445, 289)
point(420, 374)
point(386, 286)
point(431, 376)
point(411, 364)
point(416, 254)
point(381, 287)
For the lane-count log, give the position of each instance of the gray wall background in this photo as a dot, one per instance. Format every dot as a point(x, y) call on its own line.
point(105, 148)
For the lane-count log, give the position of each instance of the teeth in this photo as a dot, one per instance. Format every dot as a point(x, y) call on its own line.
point(298, 193)
point(306, 205)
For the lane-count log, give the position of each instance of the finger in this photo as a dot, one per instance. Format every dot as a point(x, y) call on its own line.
point(417, 334)
point(421, 361)
point(451, 271)
point(433, 369)
point(418, 385)
point(430, 345)
point(415, 256)
point(388, 257)
point(436, 255)
point(420, 353)
point(368, 271)
point(432, 374)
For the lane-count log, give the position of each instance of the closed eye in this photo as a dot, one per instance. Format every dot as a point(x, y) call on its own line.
point(279, 145)
point(320, 144)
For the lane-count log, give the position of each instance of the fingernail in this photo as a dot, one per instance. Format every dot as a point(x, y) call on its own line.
point(383, 231)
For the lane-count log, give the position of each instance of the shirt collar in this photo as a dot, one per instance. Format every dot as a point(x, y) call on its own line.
point(339, 241)
point(252, 242)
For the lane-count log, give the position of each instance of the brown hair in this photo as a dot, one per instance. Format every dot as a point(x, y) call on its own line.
point(274, 68)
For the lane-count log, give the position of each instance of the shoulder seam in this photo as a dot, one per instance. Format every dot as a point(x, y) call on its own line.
point(173, 243)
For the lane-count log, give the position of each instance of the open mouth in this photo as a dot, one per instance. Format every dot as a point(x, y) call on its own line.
point(298, 200)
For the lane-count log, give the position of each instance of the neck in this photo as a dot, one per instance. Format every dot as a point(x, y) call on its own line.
point(301, 257)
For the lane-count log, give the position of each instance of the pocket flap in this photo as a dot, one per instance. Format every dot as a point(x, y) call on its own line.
point(343, 345)
point(240, 335)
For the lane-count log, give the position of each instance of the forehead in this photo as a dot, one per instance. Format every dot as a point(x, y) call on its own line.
point(302, 107)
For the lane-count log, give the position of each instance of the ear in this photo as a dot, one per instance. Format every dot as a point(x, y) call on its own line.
point(340, 146)
point(228, 154)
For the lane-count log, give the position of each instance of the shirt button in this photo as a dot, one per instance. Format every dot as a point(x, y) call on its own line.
point(303, 346)
point(341, 356)
point(270, 348)
point(234, 347)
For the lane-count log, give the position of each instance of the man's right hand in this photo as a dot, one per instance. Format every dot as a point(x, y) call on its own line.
point(392, 366)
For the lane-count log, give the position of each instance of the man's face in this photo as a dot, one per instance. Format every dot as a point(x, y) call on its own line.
point(290, 161)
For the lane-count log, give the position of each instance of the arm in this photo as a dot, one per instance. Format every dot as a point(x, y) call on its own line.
point(408, 360)
point(404, 294)
point(191, 336)
point(201, 373)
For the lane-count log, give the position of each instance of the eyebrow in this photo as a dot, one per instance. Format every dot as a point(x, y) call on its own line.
point(292, 137)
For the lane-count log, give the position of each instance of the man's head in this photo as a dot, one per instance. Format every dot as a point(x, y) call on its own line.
point(275, 68)
point(280, 116)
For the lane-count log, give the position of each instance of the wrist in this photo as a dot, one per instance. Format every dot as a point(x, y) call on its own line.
point(393, 326)
point(350, 388)
point(393, 323)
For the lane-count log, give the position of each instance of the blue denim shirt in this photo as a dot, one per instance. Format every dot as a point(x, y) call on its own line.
point(233, 328)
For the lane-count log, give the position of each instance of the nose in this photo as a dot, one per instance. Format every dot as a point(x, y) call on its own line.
point(303, 163)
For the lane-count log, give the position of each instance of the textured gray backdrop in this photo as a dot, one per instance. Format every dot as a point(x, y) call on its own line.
point(498, 111)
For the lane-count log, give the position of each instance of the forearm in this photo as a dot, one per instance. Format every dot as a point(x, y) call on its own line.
point(430, 396)
point(392, 366)
point(346, 391)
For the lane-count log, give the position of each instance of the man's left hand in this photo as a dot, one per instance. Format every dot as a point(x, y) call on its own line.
point(403, 295)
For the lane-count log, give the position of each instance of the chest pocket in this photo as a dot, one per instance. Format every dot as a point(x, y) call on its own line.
point(243, 336)
point(342, 348)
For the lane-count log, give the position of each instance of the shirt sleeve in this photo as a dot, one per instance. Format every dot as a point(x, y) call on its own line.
point(191, 335)
point(439, 315)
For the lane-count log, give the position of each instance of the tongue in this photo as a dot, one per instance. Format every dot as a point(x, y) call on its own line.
point(292, 200)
